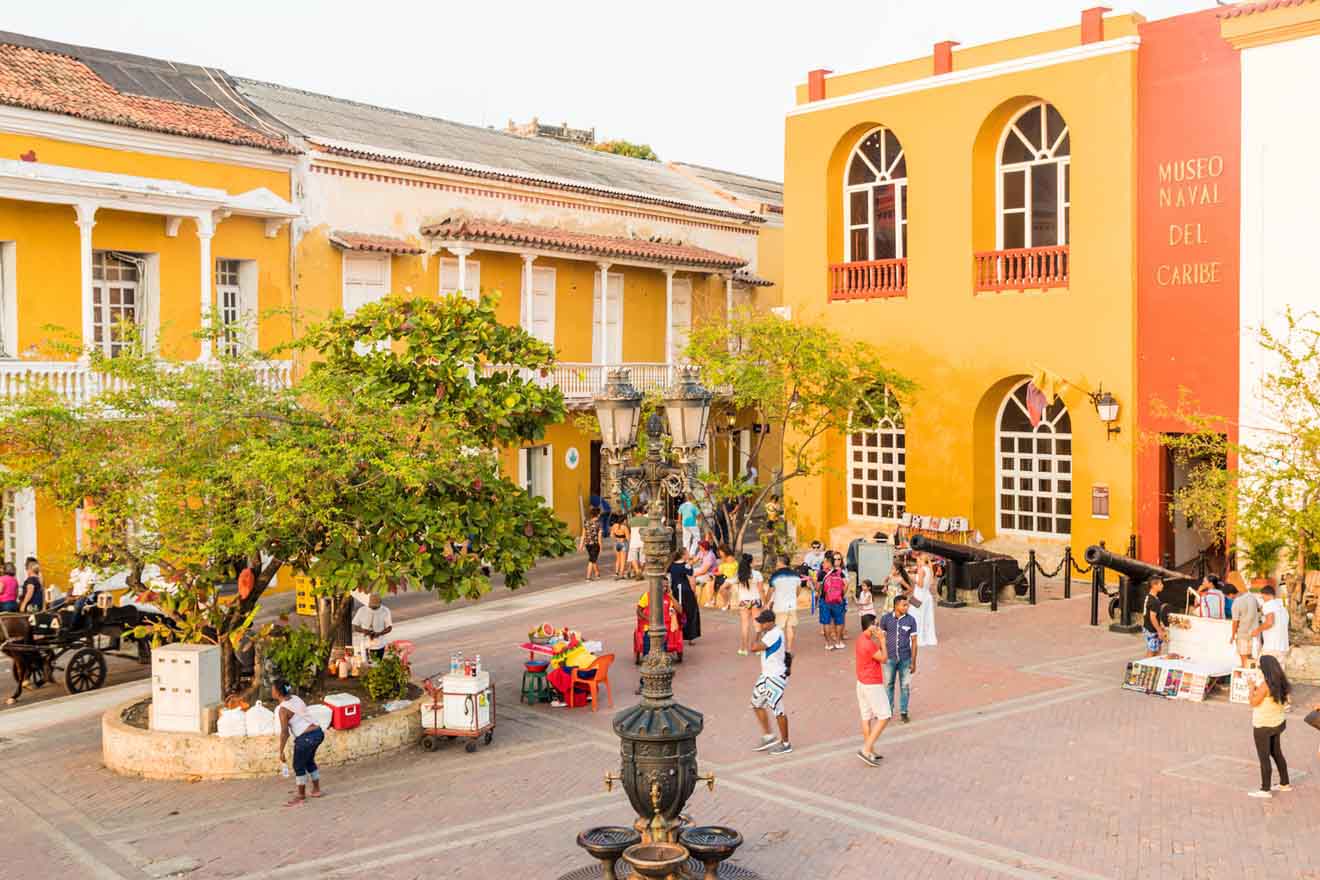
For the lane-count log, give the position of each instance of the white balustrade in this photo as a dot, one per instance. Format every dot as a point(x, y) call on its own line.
point(579, 382)
point(79, 383)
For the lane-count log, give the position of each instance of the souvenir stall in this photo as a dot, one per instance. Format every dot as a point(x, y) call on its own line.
point(1200, 656)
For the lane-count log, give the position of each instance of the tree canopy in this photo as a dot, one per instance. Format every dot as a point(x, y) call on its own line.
point(377, 467)
point(803, 381)
point(621, 147)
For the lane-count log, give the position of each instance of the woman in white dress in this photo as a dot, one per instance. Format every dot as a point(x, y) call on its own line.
point(924, 592)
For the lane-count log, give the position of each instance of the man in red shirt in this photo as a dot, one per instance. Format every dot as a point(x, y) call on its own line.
point(869, 651)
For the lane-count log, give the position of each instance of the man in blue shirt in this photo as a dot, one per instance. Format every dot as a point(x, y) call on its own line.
point(900, 629)
point(689, 517)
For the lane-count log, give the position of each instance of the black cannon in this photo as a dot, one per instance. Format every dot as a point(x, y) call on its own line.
point(971, 568)
point(1132, 593)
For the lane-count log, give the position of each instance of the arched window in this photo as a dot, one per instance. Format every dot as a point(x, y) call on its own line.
point(877, 464)
point(1034, 180)
point(875, 199)
point(1034, 467)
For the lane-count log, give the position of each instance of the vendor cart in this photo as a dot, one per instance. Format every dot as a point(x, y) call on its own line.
point(466, 709)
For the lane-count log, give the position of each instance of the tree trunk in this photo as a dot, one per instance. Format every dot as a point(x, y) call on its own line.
point(228, 668)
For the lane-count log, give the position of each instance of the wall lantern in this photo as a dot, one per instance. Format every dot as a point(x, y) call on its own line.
point(1107, 408)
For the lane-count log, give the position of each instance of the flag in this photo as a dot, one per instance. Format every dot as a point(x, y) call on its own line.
point(1041, 391)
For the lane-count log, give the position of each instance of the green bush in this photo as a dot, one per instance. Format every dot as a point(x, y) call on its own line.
point(298, 655)
point(387, 678)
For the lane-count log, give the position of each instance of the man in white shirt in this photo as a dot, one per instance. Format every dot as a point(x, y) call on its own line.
point(768, 692)
point(784, 584)
point(371, 625)
point(1273, 629)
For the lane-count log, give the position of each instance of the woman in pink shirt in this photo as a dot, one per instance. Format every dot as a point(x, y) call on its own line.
point(8, 589)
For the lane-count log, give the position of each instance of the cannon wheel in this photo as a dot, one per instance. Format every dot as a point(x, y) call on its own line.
point(85, 671)
point(1115, 608)
point(983, 592)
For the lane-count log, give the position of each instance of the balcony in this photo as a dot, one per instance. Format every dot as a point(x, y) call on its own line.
point(580, 382)
point(79, 383)
point(873, 279)
point(1022, 269)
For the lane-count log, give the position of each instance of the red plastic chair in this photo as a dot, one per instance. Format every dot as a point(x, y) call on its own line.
point(602, 677)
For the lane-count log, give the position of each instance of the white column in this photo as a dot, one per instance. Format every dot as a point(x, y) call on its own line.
point(462, 254)
point(604, 313)
point(669, 324)
point(527, 305)
point(206, 229)
point(86, 219)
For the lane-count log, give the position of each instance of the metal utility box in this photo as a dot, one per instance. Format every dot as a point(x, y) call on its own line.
point(185, 683)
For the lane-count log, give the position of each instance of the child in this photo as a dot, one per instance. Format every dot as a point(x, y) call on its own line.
point(865, 599)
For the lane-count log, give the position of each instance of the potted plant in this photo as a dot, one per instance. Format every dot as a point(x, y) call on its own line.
point(1262, 558)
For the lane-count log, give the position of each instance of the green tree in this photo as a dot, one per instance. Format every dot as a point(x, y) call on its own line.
point(1268, 496)
point(627, 148)
point(804, 381)
point(377, 468)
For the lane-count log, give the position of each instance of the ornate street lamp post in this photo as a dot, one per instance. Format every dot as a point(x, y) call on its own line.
point(658, 736)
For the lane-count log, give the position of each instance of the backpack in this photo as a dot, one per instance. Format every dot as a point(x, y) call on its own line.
point(834, 587)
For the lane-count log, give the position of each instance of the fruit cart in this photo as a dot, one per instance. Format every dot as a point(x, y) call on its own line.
point(461, 705)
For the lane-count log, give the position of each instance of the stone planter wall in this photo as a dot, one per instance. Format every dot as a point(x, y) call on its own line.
point(1303, 664)
point(154, 754)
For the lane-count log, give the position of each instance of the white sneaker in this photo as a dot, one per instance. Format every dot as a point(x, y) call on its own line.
point(1259, 794)
point(767, 742)
point(782, 748)
point(1283, 788)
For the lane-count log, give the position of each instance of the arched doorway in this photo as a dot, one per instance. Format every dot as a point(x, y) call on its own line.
point(1033, 468)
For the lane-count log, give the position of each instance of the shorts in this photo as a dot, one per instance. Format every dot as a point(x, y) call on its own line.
point(786, 620)
point(873, 701)
point(1153, 641)
point(768, 693)
point(635, 553)
point(1245, 647)
point(832, 615)
point(620, 546)
point(593, 552)
point(749, 603)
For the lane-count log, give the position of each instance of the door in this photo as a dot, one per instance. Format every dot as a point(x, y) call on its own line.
point(595, 468)
point(612, 353)
point(681, 326)
point(543, 305)
point(536, 471)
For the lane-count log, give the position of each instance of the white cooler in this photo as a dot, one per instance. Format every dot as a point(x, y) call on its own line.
point(467, 701)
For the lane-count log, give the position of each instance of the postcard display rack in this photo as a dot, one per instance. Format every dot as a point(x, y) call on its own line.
point(1200, 655)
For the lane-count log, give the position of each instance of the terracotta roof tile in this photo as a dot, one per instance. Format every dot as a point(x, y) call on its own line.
point(1264, 6)
point(456, 229)
point(751, 279)
point(364, 241)
point(47, 81)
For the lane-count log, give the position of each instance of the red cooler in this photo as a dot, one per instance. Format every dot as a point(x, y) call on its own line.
point(345, 711)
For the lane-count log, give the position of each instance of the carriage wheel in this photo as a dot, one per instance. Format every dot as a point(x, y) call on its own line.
point(85, 671)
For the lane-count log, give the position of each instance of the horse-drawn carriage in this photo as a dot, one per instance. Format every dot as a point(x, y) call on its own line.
point(85, 631)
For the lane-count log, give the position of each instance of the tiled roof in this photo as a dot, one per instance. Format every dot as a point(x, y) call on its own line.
point(39, 79)
point(468, 230)
point(365, 241)
point(751, 279)
point(363, 131)
point(1264, 6)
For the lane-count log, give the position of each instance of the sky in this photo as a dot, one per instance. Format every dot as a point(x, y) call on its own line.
point(703, 82)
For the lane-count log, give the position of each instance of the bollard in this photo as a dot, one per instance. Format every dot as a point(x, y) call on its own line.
point(1031, 577)
point(1067, 572)
point(1097, 578)
point(994, 588)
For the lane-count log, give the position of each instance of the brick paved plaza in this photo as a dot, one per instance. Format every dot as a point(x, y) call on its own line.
point(1024, 759)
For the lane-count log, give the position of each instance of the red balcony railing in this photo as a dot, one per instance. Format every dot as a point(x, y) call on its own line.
point(1022, 268)
point(868, 280)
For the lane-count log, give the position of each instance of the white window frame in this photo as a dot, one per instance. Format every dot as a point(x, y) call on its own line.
point(1048, 156)
point(383, 286)
point(8, 299)
point(236, 279)
point(10, 525)
point(861, 446)
point(536, 464)
point(882, 178)
point(1060, 468)
point(471, 268)
point(680, 333)
point(101, 314)
point(602, 342)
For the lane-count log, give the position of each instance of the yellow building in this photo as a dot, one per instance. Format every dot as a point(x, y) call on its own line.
point(129, 189)
point(933, 215)
point(419, 206)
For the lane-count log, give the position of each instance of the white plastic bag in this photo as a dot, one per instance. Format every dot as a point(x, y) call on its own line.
point(232, 722)
point(261, 721)
point(321, 714)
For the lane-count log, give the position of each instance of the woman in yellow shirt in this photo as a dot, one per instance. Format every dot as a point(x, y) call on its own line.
point(728, 569)
point(1268, 700)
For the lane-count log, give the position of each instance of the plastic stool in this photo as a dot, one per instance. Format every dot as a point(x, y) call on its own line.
point(535, 688)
